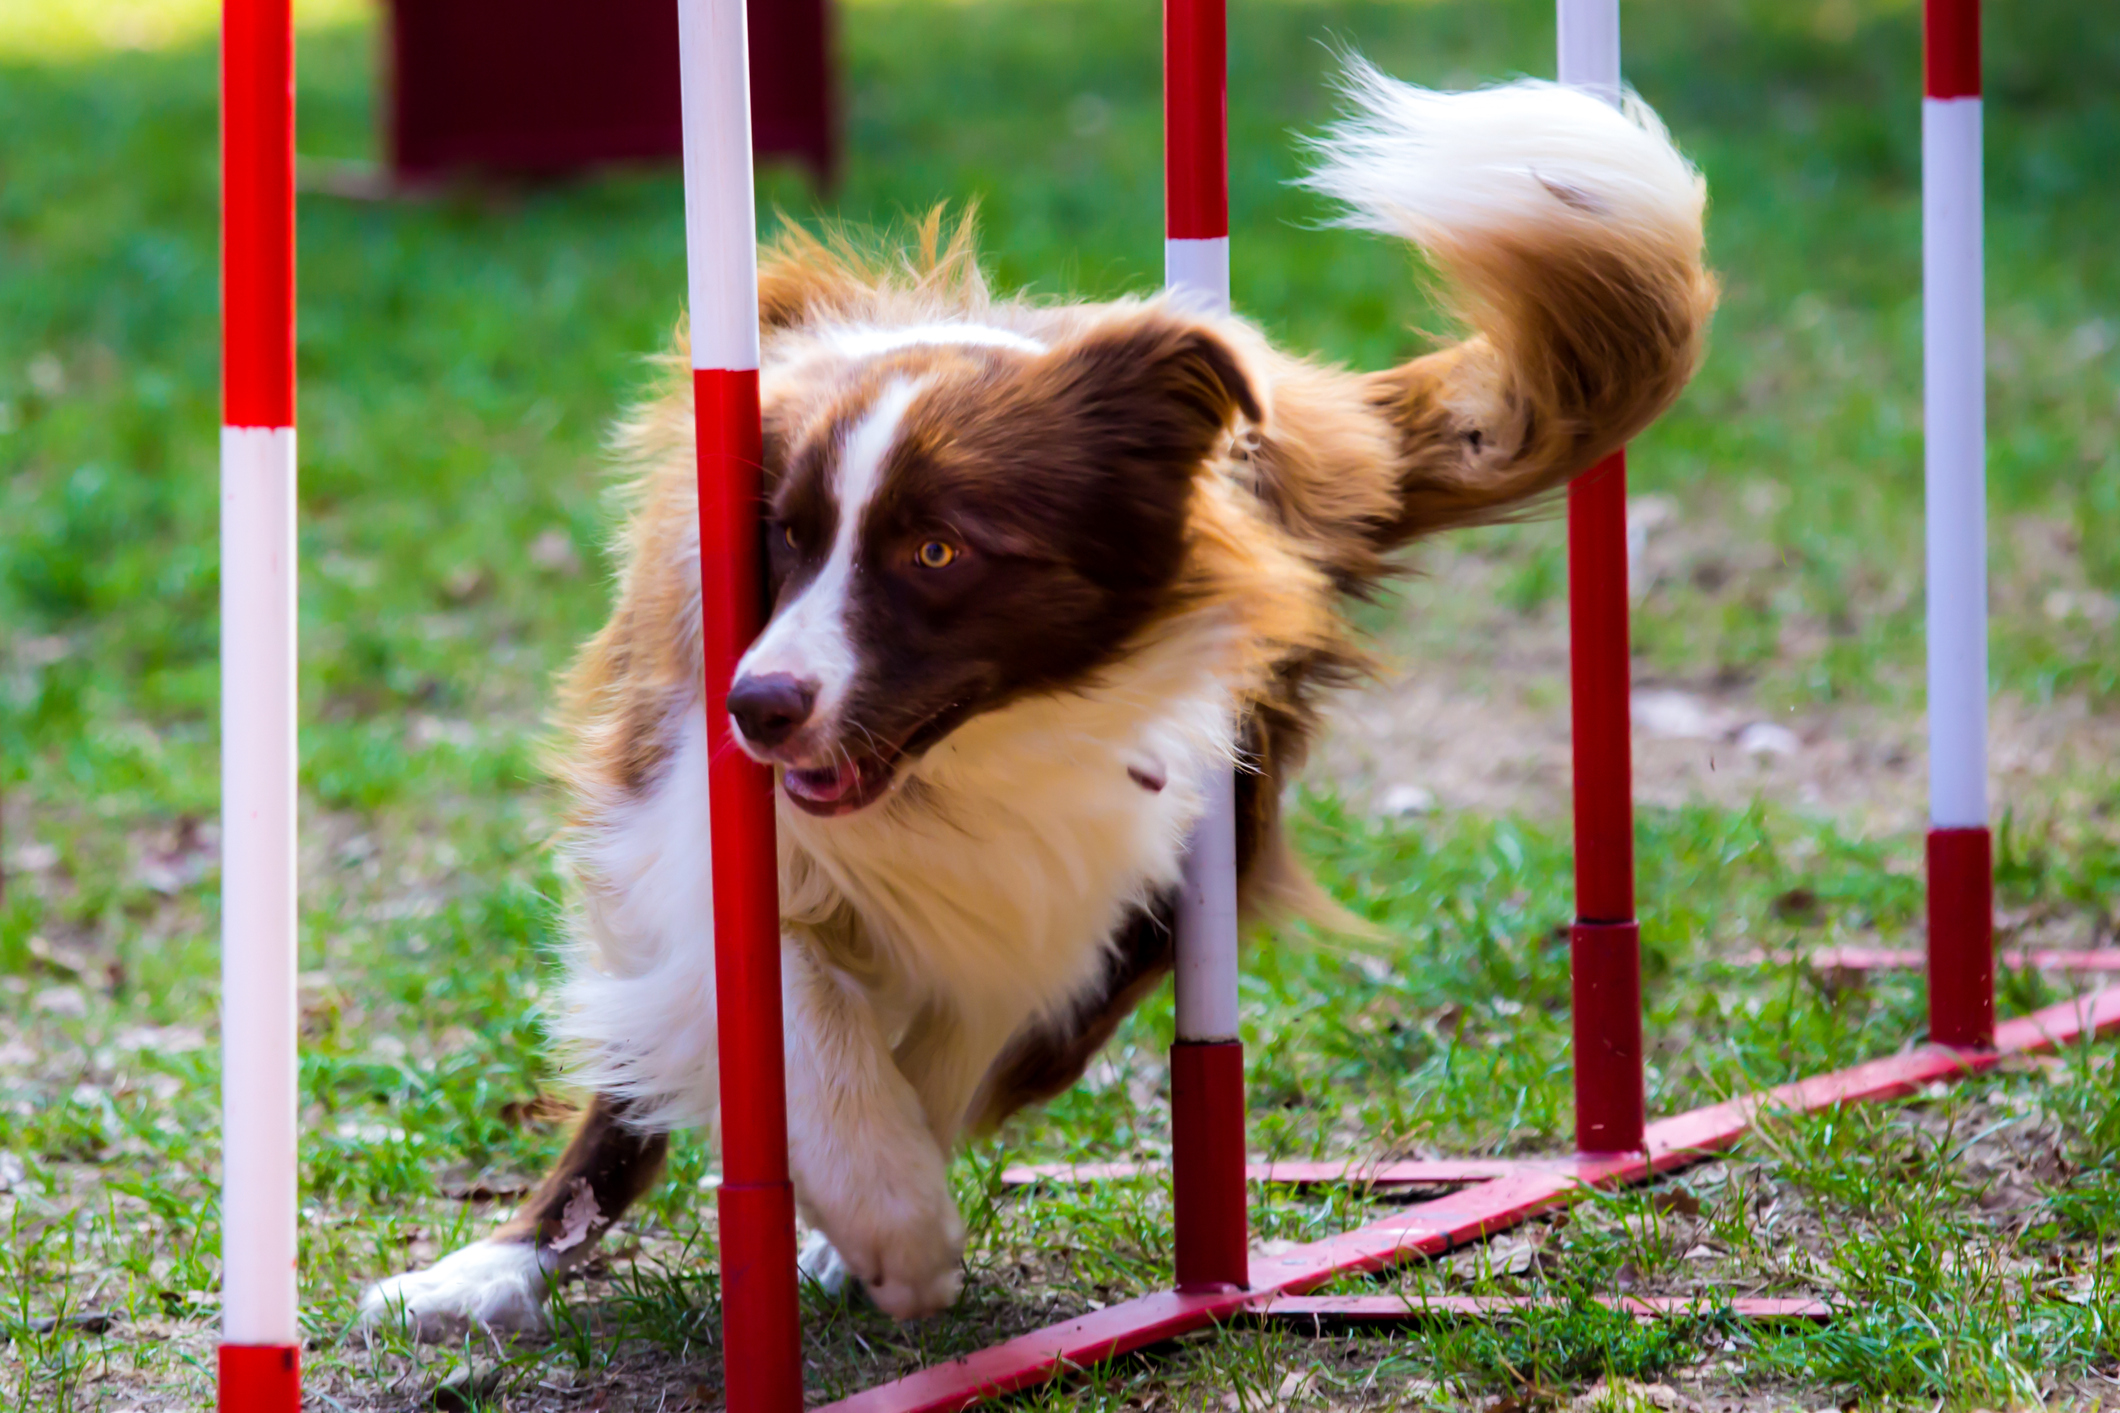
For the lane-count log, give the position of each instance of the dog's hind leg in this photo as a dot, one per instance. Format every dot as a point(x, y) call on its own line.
point(500, 1283)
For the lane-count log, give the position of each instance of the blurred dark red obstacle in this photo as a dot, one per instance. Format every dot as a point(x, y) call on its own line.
point(547, 87)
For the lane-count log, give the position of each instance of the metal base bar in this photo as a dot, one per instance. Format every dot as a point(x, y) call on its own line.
point(1501, 1196)
point(260, 1378)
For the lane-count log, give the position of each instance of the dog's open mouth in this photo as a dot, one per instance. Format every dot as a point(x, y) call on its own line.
point(851, 780)
point(841, 786)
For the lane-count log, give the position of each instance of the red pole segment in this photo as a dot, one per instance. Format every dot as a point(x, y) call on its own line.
point(1211, 1240)
point(259, 1364)
point(257, 214)
point(761, 1332)
point(1950, 49)
point(1606, 985)
point(1961, 868)
point(1961, 938)
point(1196, 120)
point(1598, 665)
point(1605, 943)
point(1211, 1227)
point(761, 1328)
point(259, 1378)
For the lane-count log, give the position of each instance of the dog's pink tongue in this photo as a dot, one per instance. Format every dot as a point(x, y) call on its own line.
point(825, 784)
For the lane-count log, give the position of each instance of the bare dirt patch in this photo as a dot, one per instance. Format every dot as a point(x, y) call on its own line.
point(1471, 709)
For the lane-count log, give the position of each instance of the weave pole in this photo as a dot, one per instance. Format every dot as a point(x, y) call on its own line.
point(1210, 1232)
point(1960, 858)
point(761, 1333)
point(1605, 941)
point(259, 1357)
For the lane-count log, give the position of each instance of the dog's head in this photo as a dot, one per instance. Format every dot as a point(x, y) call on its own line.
point(957, 522)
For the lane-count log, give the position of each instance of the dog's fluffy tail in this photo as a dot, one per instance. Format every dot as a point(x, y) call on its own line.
point(1567, 235)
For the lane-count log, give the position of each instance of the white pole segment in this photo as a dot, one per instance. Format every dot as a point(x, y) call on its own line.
point(1954, 354)
point(258, 1021)
point(1206, 941)
point(1200, 269)
point(721, 236)
point(1588, 38)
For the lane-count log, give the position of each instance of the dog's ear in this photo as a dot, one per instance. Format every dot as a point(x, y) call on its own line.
point(1087, 454)
point(1150, 392)
point(1112, 428)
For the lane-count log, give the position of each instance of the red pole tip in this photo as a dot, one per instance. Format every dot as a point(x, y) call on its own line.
point(257, 214)
point(1195, 120)
point(1951, 49)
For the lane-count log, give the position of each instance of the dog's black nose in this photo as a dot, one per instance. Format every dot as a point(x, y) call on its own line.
point(769, 708)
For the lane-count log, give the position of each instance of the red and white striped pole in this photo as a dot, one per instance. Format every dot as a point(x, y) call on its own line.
point(761, 1331)
point(1961, 898)
point(1211, 1236)
point(1605, 942)
point(260, 1330)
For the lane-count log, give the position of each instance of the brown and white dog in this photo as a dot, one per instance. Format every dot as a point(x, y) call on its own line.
point(1039, 571)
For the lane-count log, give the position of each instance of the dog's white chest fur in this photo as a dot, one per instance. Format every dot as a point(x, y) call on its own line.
point(986, 888)
point(995, 877)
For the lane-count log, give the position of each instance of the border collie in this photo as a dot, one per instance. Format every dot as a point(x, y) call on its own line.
point(1039, 571)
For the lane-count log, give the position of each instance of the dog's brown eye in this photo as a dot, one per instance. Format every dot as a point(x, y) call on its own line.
point(935, 554)
point(787, 532)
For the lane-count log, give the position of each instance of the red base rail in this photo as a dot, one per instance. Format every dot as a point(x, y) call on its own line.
point(2098, 959)
point(1322, 1311)
point(1500, 1195)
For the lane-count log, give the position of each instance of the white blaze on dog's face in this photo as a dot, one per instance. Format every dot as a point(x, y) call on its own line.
point(797, 676)
point(957, 524)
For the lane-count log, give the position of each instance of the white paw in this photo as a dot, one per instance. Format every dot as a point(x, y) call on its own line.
point(821, 1264)
point(497, 1285)
point(911, 1290)
point(910, 1262)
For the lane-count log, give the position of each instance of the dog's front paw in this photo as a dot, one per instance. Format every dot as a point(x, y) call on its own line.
point(909, 1261)
point(927, 1283)
point(495, 1285)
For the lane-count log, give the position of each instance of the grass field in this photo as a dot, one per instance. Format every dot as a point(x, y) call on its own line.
point(460, 360)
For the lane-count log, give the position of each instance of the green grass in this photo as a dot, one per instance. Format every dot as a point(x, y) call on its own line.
point(460, 361)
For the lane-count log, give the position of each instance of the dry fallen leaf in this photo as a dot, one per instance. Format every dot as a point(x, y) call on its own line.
point(1678, 1200)
point(1799, 905)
